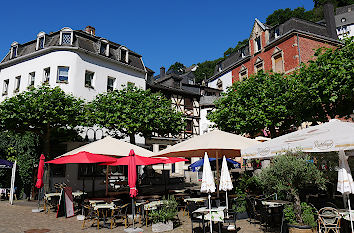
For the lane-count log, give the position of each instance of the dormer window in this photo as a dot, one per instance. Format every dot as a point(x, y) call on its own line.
point(104, 48)
point(40, 40)
point(219, 84)
point(258, 44)
point(66, 36)
point(124, 54)
point(243, 52)
point(14, 49)
point(276, 32)
point(220, 67)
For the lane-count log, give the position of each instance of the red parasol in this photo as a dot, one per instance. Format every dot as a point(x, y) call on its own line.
point(82, 157)
point(39, 183)
point(139, 160)
point(132, 176)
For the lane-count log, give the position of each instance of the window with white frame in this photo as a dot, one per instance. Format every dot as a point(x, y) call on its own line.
point(89, 75)
point(17, 84)
point(63, 74)
point(277, 60)
point(124, 54)
point(258, 66)
point(40, 40)
point(31, 79)
point(14, 49)
point(243, 52)
point(110, 83)
point(66, 36)
point(219, 84)
point(243, 74)
point(5, 87)
point(104, 48)
point(258, 44)
point(46, 74)
point(276, 32)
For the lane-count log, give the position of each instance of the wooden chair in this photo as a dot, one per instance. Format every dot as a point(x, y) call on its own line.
point(194, 217)
point(91, 215)
point(328, 220)
point(120, 212)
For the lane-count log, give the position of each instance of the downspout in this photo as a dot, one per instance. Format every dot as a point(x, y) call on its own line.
point(298, 47)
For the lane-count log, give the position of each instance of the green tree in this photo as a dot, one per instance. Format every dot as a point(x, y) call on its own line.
point(132, 111)
point(22, 147)
point(328, 82)
point(282, 15)
point(288, 175)
point(239, 44)
point(206, 69)
point(178, 68)
point(265, 100)
point(41, 110)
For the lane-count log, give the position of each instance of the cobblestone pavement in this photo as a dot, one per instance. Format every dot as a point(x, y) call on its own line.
point(19, 218)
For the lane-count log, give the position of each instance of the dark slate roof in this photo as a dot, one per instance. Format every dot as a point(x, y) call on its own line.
point(81, 41)
point(345, 13)
point(291, 25)
point(183, 90)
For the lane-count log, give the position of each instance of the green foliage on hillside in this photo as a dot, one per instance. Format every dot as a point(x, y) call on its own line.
point(178, 68)
point(282, 15)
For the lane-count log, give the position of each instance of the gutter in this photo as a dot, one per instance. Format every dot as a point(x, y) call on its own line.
point(64, 48)
point(298, 47)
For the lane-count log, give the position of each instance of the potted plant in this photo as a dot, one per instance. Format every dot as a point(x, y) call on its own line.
point(308, 216)
point(287, 176)
point(162, 219)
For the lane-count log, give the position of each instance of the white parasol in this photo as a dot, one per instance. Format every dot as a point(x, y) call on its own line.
point(225, 180)
point(208, 184)
point(345, 181)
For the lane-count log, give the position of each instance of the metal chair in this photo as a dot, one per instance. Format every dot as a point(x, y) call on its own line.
point(328, 220)
point(91, 215)
point(194, 216)
point(120, 212)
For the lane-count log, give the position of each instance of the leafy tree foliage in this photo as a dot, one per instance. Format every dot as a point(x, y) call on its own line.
point(337, 3)
point(41, 111)
point(282, 15)
point(132, 111)
point(22, 147)
point(328, 82)
point(237, 47)
point(288, 175)
point(265, 100)
point(178, 68)
point(205, 70)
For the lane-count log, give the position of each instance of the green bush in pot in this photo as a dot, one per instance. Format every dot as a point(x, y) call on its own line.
point(308, 215)
point(288, 175)
point(167, 212)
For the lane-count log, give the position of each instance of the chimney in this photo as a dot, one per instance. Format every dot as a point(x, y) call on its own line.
point(328, 11)
point(162, 72)
point(90, 30)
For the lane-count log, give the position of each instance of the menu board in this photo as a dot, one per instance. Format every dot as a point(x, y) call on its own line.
point(69, 202)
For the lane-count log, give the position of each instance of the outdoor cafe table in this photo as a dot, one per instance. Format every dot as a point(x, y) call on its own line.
point(101, 208)
point(217, 214)
point(195, 199)
point(275, 203)
point(149, 206)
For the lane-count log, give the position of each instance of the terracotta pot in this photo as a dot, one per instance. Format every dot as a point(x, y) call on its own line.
point(301, 229)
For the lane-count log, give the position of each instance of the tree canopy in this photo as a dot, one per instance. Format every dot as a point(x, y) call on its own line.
point(328, 82)
point(132, 111)
point(41, 110)
point(282, 15)
point(265, 100)
point(177, 68)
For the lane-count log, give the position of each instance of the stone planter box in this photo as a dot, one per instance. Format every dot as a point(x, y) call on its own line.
point(301, 229)
point(161, 227)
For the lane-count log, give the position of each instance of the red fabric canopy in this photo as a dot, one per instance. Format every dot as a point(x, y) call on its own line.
point(39, 183)
point(132, 175)
point(82, 157)
point(139, 160)
point(167, 160)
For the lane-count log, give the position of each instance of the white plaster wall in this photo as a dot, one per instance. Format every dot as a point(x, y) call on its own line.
point(348, 31)
point(226, 81)
point(205, 124)
point(78, 63)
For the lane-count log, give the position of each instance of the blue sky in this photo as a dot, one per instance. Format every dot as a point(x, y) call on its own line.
point(161, 31)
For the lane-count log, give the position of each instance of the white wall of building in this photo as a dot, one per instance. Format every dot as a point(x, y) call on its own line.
point(78, 63)
point(345, 31)
point(205, 124)
point(226, 81)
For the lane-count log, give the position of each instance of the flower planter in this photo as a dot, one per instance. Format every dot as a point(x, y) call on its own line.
point(301, 229)
point(161, 227)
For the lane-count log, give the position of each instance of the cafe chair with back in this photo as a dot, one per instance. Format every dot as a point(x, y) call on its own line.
point(195, 218)
point(328, 220)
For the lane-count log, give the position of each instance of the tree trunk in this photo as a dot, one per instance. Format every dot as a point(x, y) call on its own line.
point(272, 131)
point(297, 206)
point(132, 138)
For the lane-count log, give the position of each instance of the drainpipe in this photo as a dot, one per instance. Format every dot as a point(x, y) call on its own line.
point(298, 47)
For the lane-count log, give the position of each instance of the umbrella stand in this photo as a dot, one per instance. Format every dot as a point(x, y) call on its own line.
point(211, 223)
point(350, 214)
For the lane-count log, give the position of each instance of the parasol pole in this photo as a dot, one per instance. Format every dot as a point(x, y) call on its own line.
point(211, 223)
point(350, 213)
point(217, 174)
point(227, 205)
point(133, 211)
point(107, 171)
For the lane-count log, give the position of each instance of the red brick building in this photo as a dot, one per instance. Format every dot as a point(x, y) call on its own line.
point(281, 48)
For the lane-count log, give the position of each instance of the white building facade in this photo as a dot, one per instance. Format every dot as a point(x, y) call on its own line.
point(344, 19)
point(80, 63)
